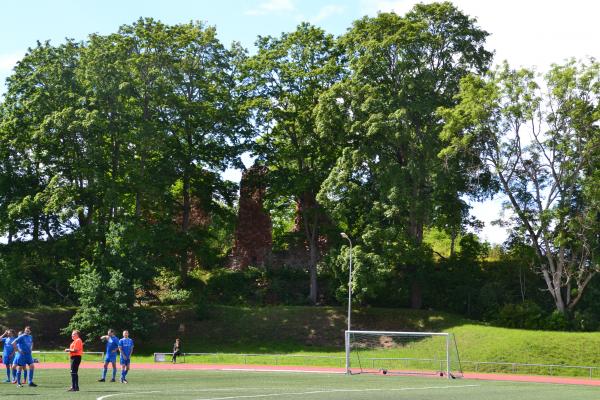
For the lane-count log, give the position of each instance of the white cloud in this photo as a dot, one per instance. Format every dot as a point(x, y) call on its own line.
point(532, 33)
point(326, 12)
point(488, 212)
point(272, 6)
point(400, 7)
point(9, 60)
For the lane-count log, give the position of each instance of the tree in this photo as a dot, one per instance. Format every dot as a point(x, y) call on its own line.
point(289, 74)
point(543, 149)
point(389, 183)
point(208, 126)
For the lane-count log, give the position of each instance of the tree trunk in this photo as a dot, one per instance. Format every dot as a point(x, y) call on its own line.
point(416, 295)
point(416, 232)
point(309, 213)
point(313, 272)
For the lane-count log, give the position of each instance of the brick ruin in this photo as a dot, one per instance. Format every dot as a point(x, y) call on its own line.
point(253, 234)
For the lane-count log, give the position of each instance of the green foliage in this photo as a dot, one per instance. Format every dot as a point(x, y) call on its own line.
point(389, 184)
point(547, 182)
point(526, 315)
point(105, 301)
point(169, 288)
point(288, 75)
point(255, 286)
point(112, 152)
point(12, 285)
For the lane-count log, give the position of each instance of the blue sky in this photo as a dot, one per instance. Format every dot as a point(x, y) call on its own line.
point(531, 33)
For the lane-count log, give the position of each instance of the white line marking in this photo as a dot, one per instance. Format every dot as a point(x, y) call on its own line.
point(255, 396)
point(183, 390)
point(281, 394)
point(125, 394)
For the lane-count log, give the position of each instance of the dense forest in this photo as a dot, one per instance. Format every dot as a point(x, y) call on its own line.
point(112, 193)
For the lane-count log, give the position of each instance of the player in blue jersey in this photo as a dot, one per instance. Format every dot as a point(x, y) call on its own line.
point(126, 350)
point(112, 345)
point(8, 352)
point(24, 345)
point(15, 367)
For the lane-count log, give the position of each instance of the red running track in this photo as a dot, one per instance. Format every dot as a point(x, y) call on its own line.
point(281, 368)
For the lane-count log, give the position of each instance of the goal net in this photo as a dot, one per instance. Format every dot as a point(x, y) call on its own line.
point(402, 353)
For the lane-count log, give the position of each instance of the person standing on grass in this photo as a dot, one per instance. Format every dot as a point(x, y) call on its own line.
point(24, 345)
point(176, 350)
point(112, 345)
point(8, 353)
point(75, 350)
point(15, 367)
point(126, 350)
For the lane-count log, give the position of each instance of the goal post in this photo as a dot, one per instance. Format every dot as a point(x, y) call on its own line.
point(427, 353)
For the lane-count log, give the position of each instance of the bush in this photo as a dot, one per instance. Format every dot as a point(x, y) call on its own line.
point(235, 287)
point(557, 321)
point(526, 315)
point(106, 299)
point(257, 286)
point(170, 291)
point(586, 321)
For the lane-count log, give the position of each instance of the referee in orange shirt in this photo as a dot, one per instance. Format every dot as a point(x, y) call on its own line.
point(75, 350)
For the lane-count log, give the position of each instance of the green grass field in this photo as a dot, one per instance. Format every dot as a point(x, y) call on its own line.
point(232, 385)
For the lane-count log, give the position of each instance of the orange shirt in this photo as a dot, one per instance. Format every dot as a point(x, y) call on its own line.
point(76, 347)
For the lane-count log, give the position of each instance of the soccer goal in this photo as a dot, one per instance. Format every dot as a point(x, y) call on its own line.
point(402, 353)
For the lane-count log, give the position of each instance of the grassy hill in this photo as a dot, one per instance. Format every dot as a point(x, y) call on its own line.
point(319, 331)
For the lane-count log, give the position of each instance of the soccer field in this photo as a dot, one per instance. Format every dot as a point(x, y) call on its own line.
point(231, 385)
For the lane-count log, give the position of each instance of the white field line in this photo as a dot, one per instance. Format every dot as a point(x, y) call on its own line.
point(334, 391)
point(286, 393)
point(125, 394)
point(179, 391)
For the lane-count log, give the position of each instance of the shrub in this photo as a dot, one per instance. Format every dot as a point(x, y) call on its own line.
point(585, 320)
point(526, 315)
point(106, 298)
point(557, 321)
point(234, 287)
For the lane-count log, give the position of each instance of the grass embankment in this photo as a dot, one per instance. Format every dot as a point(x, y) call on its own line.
point(318, 331)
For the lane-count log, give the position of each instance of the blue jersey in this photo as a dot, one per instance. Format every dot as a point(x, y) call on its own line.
point(24, 344)
point(126, 346)
point(8, 347)
point(112, 344)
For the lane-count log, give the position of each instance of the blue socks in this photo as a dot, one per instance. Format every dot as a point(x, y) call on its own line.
point(30, 376)
point(104, 373)
point(114, 373)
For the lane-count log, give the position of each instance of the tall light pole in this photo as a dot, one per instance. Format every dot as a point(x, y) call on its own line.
point(347, 336)
point(349, 279)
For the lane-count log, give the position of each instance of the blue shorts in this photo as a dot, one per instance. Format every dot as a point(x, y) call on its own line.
point(8, 360)
point(23, 359)
point(110, 357)
point(123, 361)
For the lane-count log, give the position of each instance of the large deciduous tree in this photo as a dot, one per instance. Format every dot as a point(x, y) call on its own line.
point(290, 73)
point(542, 145)
point(389, 183)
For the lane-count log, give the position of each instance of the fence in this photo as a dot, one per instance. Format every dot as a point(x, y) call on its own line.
point(339, 361)
point(49, 356)
point(256, 359)
point(535, 369)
